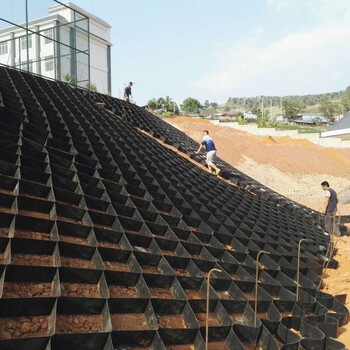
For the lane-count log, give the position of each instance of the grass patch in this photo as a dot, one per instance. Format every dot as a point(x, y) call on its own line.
point(302, 129)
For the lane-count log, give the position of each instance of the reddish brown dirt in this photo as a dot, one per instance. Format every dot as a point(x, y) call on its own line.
point(109, 245)
point(4, 232)
point(74, 240)
point(201, 317)
point(150, 269)
point(292, 167)
point(26, 290)
point(217, 345)
point(24, 327)
point(123, 322)
point(179, 347)
point(75, 262)
point(223, 294)
point(161, 293)
point(34, 214)
point(32, 235)
point(169, 252)
point(123, 292)
point(237, 318)
point(116, 266)
point(182, 272)
point(81, 290)
point(78, 323)
point(171, 321)
point(32, 260)
point(338, 282)
point(194, 294)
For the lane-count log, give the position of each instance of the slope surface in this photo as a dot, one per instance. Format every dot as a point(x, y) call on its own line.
point(107, 237)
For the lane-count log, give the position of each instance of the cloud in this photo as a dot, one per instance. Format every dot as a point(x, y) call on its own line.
point(306, 61)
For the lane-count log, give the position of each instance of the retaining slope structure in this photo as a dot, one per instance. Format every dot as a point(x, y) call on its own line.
point(107, 237)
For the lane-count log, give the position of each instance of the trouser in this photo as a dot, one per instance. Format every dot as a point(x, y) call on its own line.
point(329, 221)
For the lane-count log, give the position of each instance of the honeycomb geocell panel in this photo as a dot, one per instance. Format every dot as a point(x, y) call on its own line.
point(107, 236)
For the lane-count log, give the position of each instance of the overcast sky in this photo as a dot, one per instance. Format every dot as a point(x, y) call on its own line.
point(213, 49)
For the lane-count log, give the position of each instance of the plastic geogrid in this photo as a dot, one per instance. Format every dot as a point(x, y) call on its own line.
point(107, 237)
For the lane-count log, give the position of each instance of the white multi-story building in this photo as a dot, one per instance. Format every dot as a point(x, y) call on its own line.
point(69, 44)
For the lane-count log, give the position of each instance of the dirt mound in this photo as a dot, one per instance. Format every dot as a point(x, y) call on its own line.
point(292, 167)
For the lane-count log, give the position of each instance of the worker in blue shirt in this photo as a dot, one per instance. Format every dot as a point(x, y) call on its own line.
point(208, 143)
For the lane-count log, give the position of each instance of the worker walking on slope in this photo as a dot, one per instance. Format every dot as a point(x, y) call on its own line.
point(330, 208)
point(127, 92)
point(208, 143)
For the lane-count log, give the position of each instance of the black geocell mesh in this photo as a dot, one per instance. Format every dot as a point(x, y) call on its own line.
point(107, 237)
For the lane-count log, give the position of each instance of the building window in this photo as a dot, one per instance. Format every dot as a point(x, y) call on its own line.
point(3, 48)
point(48, 36)
point(30, 66)
point(49, 65)
point(24, 42)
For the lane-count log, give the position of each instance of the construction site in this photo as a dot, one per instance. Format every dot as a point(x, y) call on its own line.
point(115, 236)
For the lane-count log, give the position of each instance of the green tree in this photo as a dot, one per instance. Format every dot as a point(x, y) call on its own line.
point(257, 112)
point(214, 105)
point(164, 104)
point(292, 108)
point(191, 105)
point(152, 104)
point(206, 104)
point(346, 99)
point(330, 109)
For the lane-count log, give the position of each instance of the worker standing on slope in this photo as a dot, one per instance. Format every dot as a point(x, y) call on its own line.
point(208, 143)
point(127, 92)
point(330, 207)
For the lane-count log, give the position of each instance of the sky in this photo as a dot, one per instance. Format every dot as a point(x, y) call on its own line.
point(216, 49)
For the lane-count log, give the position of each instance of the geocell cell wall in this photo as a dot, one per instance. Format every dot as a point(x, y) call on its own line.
point(107, 236)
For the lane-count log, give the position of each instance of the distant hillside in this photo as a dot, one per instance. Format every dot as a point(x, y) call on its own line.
point(307, 100)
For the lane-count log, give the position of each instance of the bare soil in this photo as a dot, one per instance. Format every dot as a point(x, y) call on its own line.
point(123, 322)
point(293, 167)
point(212, 320)
point(32, 260)
point(24, 327)
point(194, 294)
point(105, 244)
point(75, 262)
point(26, 289)
point(171, 321)
point(74, 240)
point(81, 290)
point(32, 235)
point(79, 323)
point(116, 266)
point(123, 292)
point(161, 293)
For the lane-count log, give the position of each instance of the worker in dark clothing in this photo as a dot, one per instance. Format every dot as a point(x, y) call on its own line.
point(330, 207)
point(127, 92)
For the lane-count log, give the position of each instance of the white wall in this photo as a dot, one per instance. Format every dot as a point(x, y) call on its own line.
point(99, 41)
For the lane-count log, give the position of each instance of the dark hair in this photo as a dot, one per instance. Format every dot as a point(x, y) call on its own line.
point(131, 83)
point(325, 183)
point(206, 131)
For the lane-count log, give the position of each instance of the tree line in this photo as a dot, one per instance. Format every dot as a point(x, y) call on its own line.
point(328, 104)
